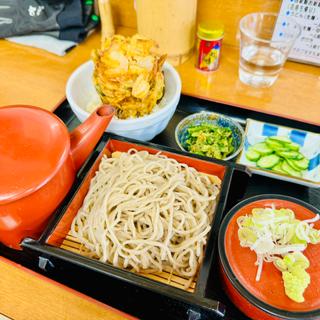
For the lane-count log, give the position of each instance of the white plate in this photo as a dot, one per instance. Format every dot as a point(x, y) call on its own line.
point(257, 131)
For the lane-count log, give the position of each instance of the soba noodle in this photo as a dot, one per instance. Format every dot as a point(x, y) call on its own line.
point(147, 213)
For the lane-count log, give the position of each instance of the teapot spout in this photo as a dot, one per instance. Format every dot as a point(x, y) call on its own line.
point(84, 138)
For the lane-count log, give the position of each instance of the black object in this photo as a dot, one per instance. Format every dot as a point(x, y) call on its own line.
point(63, 19)
point(122, 295)
point(197, 303)
point(272, 311)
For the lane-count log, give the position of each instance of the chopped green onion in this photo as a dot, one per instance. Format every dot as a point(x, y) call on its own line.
point(275, 235)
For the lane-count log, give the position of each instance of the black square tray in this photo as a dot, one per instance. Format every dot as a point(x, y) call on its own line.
point(234, 180)
point(123, 295)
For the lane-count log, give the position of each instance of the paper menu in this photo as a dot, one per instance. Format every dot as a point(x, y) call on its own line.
point(307, 14)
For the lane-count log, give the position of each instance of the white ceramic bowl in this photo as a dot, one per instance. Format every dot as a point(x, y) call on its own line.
point(81, 92)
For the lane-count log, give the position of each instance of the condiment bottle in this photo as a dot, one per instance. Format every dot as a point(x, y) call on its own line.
point(210, 35)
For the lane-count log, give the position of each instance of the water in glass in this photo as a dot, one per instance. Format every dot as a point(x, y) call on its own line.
point(260, 65)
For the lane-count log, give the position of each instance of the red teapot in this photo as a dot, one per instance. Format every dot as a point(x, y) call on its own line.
point(38, 164)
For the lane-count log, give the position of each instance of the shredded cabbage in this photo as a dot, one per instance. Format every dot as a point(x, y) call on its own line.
point(275, 235)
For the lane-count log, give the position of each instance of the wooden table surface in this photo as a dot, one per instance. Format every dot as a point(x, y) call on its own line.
point(295, 95)
point(26, 295)
point(35, 77)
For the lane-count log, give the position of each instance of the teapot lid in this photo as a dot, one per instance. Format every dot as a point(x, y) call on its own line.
point(34, 143)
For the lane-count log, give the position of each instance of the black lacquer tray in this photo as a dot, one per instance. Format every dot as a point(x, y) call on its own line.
point(59, 245)
point(144, 298)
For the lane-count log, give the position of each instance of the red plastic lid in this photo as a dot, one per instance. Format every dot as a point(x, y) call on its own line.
point(33, 145)
point(270, 288)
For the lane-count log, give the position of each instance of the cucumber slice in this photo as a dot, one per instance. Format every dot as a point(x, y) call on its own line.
point(302, 164)
point(283, 140)
point(300, 156)
point(268, 162)
point(273, 144)
point(252, 155)
point(262, 148)
point(293, 146)
point(278, 168)
point(289, 154)
point(292, 164)
point(290, 171)
point(281, 149)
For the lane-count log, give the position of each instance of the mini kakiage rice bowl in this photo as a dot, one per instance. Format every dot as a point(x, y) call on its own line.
point(80, 93)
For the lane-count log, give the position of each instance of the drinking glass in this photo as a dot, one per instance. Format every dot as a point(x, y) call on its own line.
point(265, 42)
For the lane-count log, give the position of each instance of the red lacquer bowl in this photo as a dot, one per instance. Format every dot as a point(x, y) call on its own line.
point(266, 299)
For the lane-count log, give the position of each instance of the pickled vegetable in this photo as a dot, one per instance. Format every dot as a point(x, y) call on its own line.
point(279, 154)
point(210, 140)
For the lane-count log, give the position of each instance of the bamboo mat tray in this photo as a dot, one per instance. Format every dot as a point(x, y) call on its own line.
point(70, 243)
